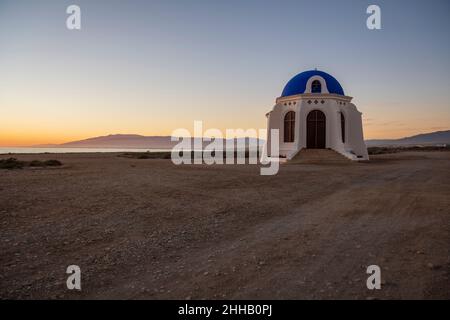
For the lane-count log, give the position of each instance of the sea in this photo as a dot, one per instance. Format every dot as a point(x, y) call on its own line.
point(16, 150)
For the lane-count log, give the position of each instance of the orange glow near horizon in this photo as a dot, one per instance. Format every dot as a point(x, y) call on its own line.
point(51, 123)
point(29, 137)
point(47, 128)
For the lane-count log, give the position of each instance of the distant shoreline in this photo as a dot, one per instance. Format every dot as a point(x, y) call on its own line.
point(165, 152)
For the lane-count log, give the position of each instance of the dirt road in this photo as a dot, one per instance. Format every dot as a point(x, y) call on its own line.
point(147, 229)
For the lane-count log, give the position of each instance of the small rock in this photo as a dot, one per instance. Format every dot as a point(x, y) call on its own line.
point(433, 266)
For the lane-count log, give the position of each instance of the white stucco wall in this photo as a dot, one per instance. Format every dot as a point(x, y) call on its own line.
point(331, 105)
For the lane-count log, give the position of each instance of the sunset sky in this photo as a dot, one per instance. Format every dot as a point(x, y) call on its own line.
point(150, 67)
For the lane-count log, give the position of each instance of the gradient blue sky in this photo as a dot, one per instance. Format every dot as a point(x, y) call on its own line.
point(149, 67)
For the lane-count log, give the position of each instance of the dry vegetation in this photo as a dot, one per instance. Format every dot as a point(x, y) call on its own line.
point(387, 150)
point(167, 155)
point(13, 163)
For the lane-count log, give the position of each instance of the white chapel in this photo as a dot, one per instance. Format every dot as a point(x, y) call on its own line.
point(314, 113)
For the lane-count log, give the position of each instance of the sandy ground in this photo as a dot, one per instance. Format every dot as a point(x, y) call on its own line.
point(146, 229)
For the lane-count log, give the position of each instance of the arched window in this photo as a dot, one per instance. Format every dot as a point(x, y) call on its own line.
point(289, 127)
point(316, 87)
point(343, 127)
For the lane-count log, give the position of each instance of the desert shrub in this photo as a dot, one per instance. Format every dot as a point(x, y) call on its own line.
point(36, 163)
point(381, 150)
point(146, 155)
point(52, 163)
point(168, 154)
point(11, 163)
point(395, 149)
point(46, 163)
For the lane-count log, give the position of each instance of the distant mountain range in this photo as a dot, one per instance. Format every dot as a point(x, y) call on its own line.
point(433, 138)
point(134, 141)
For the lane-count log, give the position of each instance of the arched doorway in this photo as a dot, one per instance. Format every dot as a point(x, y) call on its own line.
point(316, 130)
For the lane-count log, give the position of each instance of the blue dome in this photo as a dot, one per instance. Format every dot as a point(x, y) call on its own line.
point(297, 85)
